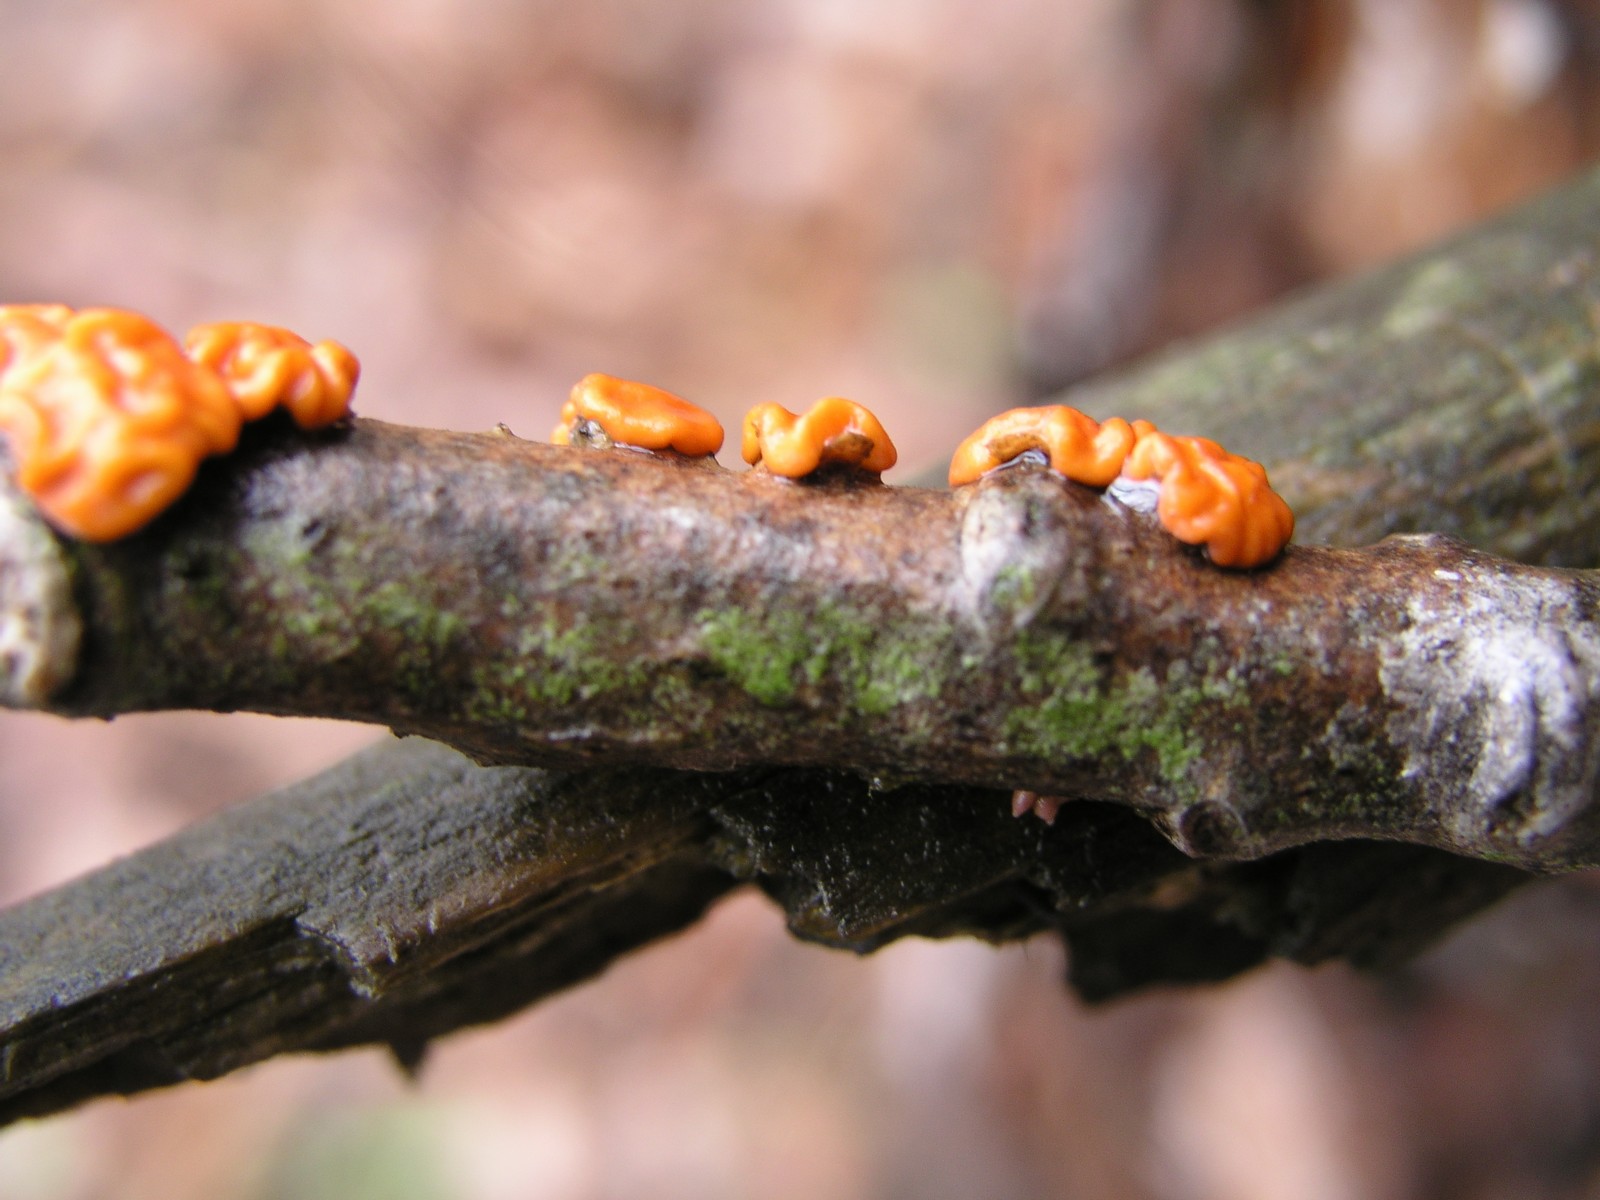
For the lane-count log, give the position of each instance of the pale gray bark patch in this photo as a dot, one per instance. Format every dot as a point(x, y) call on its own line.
point(1493, 681)
point(40, 629)
point(1017, 558)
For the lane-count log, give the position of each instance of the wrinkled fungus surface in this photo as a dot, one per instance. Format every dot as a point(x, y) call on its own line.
point(106, 417)
point(265, 366)
point(636, 414)
point(1212, 498)
point(1081, 448)
point(1205, 496)
point(833, 430)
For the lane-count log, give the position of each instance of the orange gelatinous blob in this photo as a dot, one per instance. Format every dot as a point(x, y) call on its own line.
point(26, 329)
point(1081, 448)
point(1210, 496)
point(105, 416)
point(636, 414)
point(265, 366)
point(834, 430)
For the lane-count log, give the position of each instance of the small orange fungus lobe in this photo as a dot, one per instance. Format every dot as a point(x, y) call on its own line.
point(834, 430)
point(636, 414)
point(265, 367)
point(1212, 497)
point(1081, 448)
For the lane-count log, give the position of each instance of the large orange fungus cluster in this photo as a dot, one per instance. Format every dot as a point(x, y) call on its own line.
point(106, 417)
point(1206, 496)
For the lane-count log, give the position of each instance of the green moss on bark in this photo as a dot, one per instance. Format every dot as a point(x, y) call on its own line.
point(1085, 710)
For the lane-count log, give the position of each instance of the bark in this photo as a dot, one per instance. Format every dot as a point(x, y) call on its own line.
point(554, 606)
point(409, 892)
point(393, 897)
point(831, 688)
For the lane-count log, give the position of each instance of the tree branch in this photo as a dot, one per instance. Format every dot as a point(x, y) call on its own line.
point(549, 605)
point(856, 677)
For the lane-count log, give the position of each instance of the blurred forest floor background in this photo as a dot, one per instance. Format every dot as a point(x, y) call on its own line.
point(942, 208)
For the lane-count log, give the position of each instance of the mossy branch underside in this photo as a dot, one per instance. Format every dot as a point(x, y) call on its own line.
point(668, 679)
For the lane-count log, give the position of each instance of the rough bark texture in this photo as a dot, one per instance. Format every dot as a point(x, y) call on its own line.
point(854, 677)
point(409, 892)
point(549, 605)
point(321, 917)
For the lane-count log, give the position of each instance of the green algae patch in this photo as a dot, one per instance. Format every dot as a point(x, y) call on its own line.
point(428, 626)
point(769, 655)
point(1079, 714)
point(1017, 587)
point(1434, 292)
point(555, 665)
point(781, 657)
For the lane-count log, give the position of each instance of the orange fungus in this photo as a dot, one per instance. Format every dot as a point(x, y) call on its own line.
point(1205, 496)
point(834, 430)
point(636, 414)
point(26, 329)
point(1212, 497)
point(1081, 448)
point(265, 367)
point(106, 418)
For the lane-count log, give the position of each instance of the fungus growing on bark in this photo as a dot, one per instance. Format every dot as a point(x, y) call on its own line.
point(105, 416)
point(265, 366)
point(1208, 496)
point(1204, 494)
point(834, 430)
point(638, 415)
point(1079, 447)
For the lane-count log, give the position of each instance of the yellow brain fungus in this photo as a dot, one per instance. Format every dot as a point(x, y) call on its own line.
point(107, 418)
point(834, 430)
point(1208, 496)
point(638, 415)
point(1205, 496)
point(265, 366)
point(1079, 447)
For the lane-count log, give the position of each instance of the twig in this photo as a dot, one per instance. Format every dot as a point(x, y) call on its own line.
point(534, 604)
point(538, 605)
